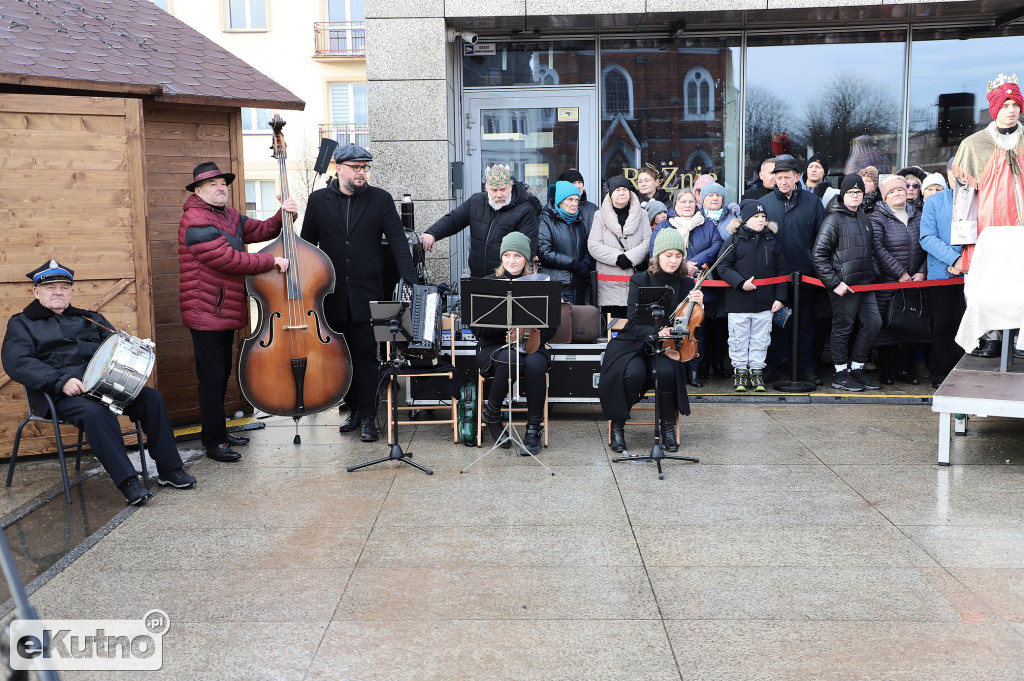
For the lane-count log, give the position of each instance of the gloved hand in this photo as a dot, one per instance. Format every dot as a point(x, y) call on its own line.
point(624, 263)
point(580, 269)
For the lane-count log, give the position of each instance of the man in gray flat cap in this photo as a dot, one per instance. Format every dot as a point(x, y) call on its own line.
point(346, 220)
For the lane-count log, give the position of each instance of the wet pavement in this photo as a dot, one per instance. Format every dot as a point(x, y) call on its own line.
point(813, 541)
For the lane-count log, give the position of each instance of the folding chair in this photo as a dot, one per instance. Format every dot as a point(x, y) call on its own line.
point(447, 324)
point(55, 420)
point(482, 399)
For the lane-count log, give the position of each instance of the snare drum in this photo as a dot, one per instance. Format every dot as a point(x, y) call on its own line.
point(118, 371)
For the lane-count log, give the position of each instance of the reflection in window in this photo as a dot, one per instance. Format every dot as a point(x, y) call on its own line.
point(563, 62)
point(699, 93)
point(848, 107)
point(618, 92)
point(945, 110)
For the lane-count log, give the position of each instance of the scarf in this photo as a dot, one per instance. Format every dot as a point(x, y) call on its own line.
point(715, 215)
point(621, 214)
point(568, 217)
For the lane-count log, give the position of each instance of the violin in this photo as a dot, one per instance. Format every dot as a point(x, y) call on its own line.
point(294, 363)
point(689, 315)
point(528, 339)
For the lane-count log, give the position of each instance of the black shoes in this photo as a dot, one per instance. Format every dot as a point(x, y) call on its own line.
point(223, 453)
point(907, 377)
point(618, 441)
point(177, 478)
point(668, 436)
point(492, 419)
point(811, 376)
point(237, 440)
point(937, 381)
point(988, 348)
point(350, 424)
point(368, 429)
point(135, 493)
point(862, 377)
point(1018, 354)
point(695, 379)
point(532, 442)
point(844, 380)
point(720, 371)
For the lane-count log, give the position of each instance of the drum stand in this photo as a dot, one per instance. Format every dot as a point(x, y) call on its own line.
point(657, 451)
point(394, 328)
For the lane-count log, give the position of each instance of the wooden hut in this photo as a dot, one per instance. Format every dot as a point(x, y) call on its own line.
point(103, 115)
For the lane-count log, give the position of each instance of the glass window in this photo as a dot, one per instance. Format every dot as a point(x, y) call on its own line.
point(256, 121)
point(838, 94)
point(162, 4)
point(260, 199)
point(540, 63)
point(349, 114)
point(948, 86)
point(345, 10)
point(671, 105)
point(247, 15)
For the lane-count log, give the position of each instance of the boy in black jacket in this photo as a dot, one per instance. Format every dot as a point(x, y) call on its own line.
point(755, 254)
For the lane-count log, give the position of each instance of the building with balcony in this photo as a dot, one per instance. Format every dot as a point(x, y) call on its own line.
point(317, 50)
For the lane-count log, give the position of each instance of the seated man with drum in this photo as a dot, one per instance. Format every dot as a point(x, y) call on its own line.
point(47, 349)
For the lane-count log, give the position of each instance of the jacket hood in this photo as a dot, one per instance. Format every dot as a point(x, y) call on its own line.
point(737, 223)
point(884, 207)
point(632, 220)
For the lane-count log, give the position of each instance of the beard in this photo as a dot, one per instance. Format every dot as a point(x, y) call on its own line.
point(496, 206)
point(353, 188)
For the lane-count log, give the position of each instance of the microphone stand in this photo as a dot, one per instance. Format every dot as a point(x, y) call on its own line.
point(657, 454)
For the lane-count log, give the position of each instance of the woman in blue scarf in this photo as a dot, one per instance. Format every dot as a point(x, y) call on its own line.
point(563, 244)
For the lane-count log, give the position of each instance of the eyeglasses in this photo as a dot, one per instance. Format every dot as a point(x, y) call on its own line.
point(855, 192)
point(358, 168)
point(913, 185)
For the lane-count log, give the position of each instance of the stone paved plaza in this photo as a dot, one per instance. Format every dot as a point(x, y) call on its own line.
point(810, 542)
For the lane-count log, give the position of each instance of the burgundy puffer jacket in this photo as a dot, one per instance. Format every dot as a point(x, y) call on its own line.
point(214, 262)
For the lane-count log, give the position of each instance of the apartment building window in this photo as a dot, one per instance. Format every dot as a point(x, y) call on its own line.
point(247, 15)
point(260, 199)
point(349, 116)
point(256, 121)
point(345, 10)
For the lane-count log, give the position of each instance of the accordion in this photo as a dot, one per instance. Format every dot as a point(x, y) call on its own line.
point(426, 306)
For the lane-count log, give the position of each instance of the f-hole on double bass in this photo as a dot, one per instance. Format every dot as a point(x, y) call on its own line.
point(293, 364)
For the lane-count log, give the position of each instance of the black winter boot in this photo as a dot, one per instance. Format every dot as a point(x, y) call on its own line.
point(618, 442)
point(492, 419)
point(532, 442)
point(668, 436)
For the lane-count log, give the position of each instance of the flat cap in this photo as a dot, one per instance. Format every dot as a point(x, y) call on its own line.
point(352, 152)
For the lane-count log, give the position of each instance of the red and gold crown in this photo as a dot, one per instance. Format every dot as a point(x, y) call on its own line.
point(1002, 79)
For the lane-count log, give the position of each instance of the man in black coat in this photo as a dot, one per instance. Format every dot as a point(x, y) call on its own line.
point(799, 215)
point(346, 220)
point(491, 214)
point(47, 349)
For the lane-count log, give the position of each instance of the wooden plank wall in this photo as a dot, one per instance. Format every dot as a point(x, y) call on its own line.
point(176, 140)
point(68, 192)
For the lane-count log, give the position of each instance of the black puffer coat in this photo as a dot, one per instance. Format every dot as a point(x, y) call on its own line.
point(753, 254)
point(897, 250)
point(842, 252)
point(43, 349)
point(561, 244)
point(488, 227)
point(798, 218)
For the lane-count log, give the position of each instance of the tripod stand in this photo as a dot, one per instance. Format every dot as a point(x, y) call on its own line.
point(509, 304)
point(390, 319)
point(653, 300)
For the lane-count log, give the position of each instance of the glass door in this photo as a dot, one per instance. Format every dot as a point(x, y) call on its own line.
point(540, 133)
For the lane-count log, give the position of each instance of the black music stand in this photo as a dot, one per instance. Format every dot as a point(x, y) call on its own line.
point(390, 321)
point(508, 304)
point(651, 304)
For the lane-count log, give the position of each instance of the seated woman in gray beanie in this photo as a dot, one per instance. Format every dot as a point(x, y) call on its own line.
point(494, 357)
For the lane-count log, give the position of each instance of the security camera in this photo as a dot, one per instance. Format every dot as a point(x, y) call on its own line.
point(466, 36)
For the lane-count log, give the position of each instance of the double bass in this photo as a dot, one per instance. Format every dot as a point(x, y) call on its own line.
point(294, 364)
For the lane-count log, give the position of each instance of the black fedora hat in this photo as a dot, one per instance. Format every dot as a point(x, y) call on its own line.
point(205, 171)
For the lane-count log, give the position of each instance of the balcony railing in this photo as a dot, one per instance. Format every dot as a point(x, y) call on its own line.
point(350, 133)
point(339, 39)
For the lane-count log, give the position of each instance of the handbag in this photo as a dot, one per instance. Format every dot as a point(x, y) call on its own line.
point(782, 316)
point(907, 314)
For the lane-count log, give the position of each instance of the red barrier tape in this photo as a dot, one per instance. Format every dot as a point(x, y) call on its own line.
point(927, 283)
point(718, 283)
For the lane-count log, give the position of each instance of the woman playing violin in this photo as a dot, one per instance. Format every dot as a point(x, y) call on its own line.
point(494, 356)
point(627, 370)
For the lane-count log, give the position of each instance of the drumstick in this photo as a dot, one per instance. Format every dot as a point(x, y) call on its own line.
point(104, 326)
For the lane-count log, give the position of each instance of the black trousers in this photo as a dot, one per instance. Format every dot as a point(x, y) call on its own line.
point(948, 306)
point(533, 369)
point(639, 377)
point(782, 339)
point(362, 393)
point(846, 309)
point(213, 367)
point(103, 431)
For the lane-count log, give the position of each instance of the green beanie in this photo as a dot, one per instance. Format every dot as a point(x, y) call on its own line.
point(518, 242)
point(668, 239)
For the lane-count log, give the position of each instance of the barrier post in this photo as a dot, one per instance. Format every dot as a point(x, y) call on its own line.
point(793, 385)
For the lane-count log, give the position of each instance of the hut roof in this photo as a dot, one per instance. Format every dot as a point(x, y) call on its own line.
point(127, 47)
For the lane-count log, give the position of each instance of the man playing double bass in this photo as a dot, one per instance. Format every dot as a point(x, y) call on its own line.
point(213, 263)
point(346, 220)
point(47, 349)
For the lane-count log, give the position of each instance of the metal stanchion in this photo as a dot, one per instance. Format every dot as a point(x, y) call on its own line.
point(793, 385)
